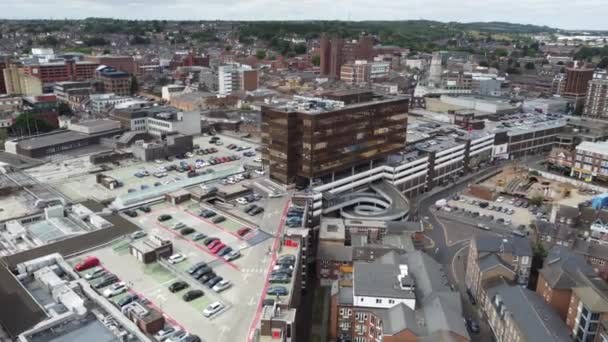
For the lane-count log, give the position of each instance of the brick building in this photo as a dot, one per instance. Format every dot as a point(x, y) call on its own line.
point(113, 81)
point(336, 52)
point(121, 63)
point(61, 71)
point(496, 257)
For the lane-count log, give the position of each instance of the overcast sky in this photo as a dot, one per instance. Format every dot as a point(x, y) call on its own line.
point(567, 14)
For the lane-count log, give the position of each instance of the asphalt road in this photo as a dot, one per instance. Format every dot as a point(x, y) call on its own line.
point(451, 239)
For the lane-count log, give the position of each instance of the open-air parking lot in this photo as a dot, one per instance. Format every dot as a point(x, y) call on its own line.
point(504, 211)
point(137, 175)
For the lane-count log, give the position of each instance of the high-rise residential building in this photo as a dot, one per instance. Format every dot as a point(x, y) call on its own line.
point(336, 52)
point(596, 101)
point(234, 77)
point(307, 138)
point(18, 83)
point(576, 81)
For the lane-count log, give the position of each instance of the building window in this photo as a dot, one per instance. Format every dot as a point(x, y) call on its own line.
point(391, 301)
point(378, 301)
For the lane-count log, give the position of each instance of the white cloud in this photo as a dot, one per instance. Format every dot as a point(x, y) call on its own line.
point(569, 14)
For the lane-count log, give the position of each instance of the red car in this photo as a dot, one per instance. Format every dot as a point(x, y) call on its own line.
point(87, 263)
point(217, 248)
point(243, 231)
point(225, 159)
point(213, 244)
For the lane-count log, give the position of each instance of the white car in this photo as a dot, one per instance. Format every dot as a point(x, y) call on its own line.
point(241, 200)
point(176, 259)
point(115, 289)
point(212, 309)
point(259, 172)
point(164, 334)
point(275, 195)
point(189, 154)
point(94, 273)
point(500, 199)
point(222, 285)
point(258, 160)
point(158, 161)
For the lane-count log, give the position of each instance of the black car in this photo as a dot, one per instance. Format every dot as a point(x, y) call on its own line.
point(218, 219)
point(250, 208)
point(186, 231)
point(196, 267)
point(131, 213)
point(107, 281)
point(192, 295)
point(130, 298)
point(207, 213)
point(471, 297)
point(178, 286)
point(164, 217)
point(201, 272)
point(205, 277)
point(191, 338)
point(256, 211)
point(213, 281)
point(472, 326)
point(224, 251)
point(287, 259)
point(145, 209)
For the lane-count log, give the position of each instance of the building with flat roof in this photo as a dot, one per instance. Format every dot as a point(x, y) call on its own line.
point(84, 134)
point(312, 137)
point(235, 77)
point(596, 100)
point(113, 81)
point(158, 121)
point(590, 160)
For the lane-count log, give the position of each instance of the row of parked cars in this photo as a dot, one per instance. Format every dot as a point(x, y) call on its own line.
point(295, 215)
point(254, 197)
point(253, 210)
point(281, 273)
point(109, 285)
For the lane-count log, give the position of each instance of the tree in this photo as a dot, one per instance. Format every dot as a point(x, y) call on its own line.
point(300, 49)
point(163, 81)
point(501, 52)
point(316, 60)
point(228, 48)
point(49, 41)
point(63, 109)
point(539, 253)
point(139, 40)
point(107, 52)
point(29, 124)
point(603, 64)
point(134, 85)
point(260, 54)
point(529, 66)
point(537, 200)
point(484, 64)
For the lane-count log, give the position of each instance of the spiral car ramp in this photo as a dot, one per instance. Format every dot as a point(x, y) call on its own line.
point(382, 201)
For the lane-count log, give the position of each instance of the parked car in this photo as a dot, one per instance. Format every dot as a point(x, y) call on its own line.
point(241, 200)
point(196, 267)
point(212, 309)
point(88, 262)
point(179, 225)
point(217, 248)
point(128, 299)
point(206, 277)
point(176, 259)
point(178, 286)
point(207, 213)
point(130, 213)
point(198, 236)
point(138, 235)
point(186, 231)
point(95, 273)
point(106, 281)
point(218, 219)
point(145, 209)
point(164, 217)
point(115, 289)
point(243, 231)
point(224, 251)
point(288, 259)
point(211, 283)
point(209, 240)
point(471, 297)
point(222, 285)
point(280, 278)
point(201, 272)
point(165, 333)
point(472, 326)
point(232, 255)
point(192, 295)
point(277, 291)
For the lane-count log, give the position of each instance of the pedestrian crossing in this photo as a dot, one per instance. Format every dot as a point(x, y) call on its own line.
point(259, 270)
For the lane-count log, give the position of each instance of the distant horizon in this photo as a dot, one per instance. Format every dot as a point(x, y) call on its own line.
point(558, 14)
point(307, 20)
